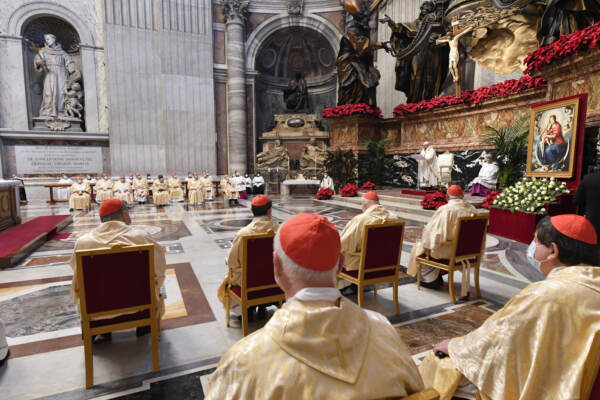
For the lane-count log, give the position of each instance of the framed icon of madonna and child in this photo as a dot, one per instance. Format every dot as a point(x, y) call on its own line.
point(553, 135)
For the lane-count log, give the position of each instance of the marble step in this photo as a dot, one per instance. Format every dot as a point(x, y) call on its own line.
point(406, 211)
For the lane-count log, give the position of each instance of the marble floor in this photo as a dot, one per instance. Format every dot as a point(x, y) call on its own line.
point(43, 328)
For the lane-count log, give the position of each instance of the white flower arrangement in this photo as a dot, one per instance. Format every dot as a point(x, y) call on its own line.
point(531, 195)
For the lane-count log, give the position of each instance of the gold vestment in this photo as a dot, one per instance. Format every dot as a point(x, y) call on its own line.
point(207, 188)
point(318, 350)
point(195, 192)
point(160, 195)
point(140, 188)
point(439, 232)
point(352, 234)
point(103, 190)
point(536, 347)
point(234, 258)
point(175, 190)
point(122, 191)
point(117, 233)
point(80, 196)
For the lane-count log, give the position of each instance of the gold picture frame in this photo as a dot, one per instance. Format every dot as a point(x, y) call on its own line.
point(553, 139)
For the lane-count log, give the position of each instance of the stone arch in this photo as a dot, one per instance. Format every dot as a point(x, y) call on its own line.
point(275, 23)
point(23, 14)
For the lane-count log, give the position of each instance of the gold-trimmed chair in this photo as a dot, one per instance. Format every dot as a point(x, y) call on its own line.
point(117, 285)
point(468, 246)
point(379, 259)
point(425, 394)
point(258, 279)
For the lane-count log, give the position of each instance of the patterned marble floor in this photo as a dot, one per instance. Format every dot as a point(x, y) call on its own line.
point(43, 326)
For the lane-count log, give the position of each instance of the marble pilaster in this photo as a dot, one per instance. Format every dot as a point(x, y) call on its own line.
point(236, 85)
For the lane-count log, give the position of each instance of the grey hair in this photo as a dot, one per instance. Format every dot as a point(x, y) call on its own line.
point(116, 215)
point(292, 269)
point(454, 197)
point(369, 202)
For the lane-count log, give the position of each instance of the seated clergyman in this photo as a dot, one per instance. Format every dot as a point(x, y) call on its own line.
point(115, 230)
point(352, 235)
point(262, 223)
point(319, 345)
point(437, 237)
point(175, 189)
point(538, 345)
point(486, 181)
point(80, 195)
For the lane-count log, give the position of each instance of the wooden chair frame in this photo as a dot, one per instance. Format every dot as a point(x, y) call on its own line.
point(86, 318)
point(453, 261)
point(360, 280)
point(243, 300)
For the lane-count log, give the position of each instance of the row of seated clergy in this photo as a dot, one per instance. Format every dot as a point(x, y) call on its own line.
point(523, 351)
point(319, 345)
point(116, 230)
point(437, 239)
point(262, 223)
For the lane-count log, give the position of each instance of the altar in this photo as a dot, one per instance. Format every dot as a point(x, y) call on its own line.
point(302, 186)
point(10, 208)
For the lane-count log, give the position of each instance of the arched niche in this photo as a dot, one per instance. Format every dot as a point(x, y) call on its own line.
point(33, 31)
point(279, 57)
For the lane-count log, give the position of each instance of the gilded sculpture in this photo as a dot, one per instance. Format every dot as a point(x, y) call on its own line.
point(275, 157)
point(313, 157)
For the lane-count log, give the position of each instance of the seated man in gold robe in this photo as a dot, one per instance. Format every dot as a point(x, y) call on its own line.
point(140, 188)
point(122, 190)
point(160, 193)
point(104, 187)
point(80, 195)
point(116, 230)
point(437, 237)
point(319, 345)
point(175, 190)
point(207, 186)
point(195, 192)
point(538, 346)
point(352, 235)
point(262, 223)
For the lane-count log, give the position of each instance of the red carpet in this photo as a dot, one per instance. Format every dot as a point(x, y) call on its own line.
point(59, 236)
point(416, 192)
point(14, 239)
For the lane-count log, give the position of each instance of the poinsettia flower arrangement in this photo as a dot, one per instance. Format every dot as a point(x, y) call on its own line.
point(349, 190)
point(433, 201)
point(531, 195)
point(503, 89)
point(324, 194)
point(352, 109)
point(564, 46)
point(490, 198)
point(368, 186)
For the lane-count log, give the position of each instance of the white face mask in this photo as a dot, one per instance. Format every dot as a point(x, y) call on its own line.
point(531, 256)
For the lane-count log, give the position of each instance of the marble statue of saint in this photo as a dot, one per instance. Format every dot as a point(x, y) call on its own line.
point(429, 173)
point(313, 156)
point(296, 95)
point(56, 64)
point(275, 157)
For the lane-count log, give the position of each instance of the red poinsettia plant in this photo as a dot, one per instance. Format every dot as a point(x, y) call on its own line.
point(349, 190)
point(324, 194)
point(477, 96)
point(490, 198)
point(368, 186)
point(433, 201)
point(565, 46)
point(352, 109)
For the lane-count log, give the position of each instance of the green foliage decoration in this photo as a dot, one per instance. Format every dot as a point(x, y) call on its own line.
point(510, 143)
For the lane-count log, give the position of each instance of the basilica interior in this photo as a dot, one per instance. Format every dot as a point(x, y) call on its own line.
point(162, 161)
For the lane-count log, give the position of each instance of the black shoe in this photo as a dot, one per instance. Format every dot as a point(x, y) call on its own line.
point(435, 285)
point(142, 330)
point(350, 290)
point(5, 358)
point(262, 312)
point(70, 210)
point(105, 337)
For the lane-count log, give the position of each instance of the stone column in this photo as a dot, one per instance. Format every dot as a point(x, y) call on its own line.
point(235, 13)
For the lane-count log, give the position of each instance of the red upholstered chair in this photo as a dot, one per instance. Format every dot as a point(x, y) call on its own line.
point(379, 259)
point(468, 244)
point(117, 285)
point(258, 280)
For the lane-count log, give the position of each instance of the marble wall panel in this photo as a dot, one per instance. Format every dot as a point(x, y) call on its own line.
point(219, 49)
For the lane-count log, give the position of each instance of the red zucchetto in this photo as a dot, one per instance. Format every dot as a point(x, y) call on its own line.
point(575, 227)
point(260, 200)
point(371, 196)
point(110, 206)
point(311, 241)
point(455, 191)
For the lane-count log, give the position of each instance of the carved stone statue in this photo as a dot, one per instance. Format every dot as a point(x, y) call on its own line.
point(296, 95)
point(313, 156)
point(454, 57)
point(357, 76)
point(277, 157)
point(563, 17)
point(59, 67)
